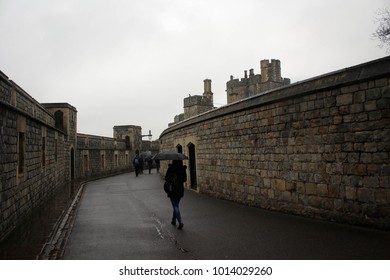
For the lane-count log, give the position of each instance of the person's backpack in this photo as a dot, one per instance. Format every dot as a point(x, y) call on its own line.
point(170, 184)
point(136, 161)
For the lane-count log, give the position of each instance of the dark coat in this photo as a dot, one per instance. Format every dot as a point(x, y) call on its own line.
point(181, 175)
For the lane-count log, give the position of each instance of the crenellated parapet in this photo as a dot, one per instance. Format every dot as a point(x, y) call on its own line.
point(270, 78)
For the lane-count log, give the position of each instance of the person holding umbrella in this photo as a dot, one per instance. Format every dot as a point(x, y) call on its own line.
point(177, 175)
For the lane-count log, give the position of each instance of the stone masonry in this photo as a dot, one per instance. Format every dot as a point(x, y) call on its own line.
point(319, 148)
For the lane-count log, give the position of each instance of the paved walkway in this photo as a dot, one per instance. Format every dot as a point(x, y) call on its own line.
point(128, 217)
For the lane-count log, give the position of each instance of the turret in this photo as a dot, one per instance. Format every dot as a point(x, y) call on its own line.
point(270, 71)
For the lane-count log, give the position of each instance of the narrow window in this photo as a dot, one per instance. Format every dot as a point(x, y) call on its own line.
point(43, 151)
point(21, 148)
point(85, 164)
point(102, 160)
point(116, 160)
point(128, 144)
point(56, 150)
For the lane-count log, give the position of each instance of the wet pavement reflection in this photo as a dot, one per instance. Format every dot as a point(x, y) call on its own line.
point(26, 242)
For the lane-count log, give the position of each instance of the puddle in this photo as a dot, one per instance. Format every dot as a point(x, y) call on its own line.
point(26, 242)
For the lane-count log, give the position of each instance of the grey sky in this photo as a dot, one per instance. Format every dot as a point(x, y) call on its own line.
point(132, 62)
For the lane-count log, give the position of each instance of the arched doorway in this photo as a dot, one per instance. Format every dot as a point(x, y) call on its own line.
point(192, 163)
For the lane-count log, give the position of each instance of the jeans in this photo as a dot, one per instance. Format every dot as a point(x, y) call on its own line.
point(176, 211)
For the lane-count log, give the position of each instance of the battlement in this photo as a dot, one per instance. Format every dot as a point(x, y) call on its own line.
point(270, 78)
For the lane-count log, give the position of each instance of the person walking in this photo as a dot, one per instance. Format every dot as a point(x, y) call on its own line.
point(136, 163)
point(150, 164)
point(175, 177)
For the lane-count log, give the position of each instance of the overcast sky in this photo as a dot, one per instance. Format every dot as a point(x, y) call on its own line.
point(132, 62)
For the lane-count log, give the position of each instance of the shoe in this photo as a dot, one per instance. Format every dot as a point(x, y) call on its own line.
point(173, 222)
point(180, 226)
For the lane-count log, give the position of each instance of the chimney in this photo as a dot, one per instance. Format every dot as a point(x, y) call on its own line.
point(207, 87)
point(207, 90)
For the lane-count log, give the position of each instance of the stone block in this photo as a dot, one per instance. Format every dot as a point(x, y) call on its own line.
point(350, 193)
point(279, 184)
point(371, 181)
point(363, 195)
point(381, 82)
point(285, 196)
point(366, 158)
point(301, 188)
point(370, 105)
point(359, 169)
point(344, 99)
point(334, 191)
point(384, 182)
point(381, 195)
point(291, 186)
point(310, 188)
point(314, 201)
point(359, 96)
point(356, 108)
point(373, 94)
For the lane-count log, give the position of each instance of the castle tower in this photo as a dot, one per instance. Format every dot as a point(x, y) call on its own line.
point(264, 70)
point(131, 134)
point(275, 71)
point(270, 71)
point(270, 78)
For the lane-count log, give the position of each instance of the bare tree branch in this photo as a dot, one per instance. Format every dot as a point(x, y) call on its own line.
point(382, 33)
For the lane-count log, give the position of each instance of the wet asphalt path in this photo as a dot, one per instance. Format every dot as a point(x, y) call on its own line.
point(128, 217)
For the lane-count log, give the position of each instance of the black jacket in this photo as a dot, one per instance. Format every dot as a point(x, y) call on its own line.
point(181, 177)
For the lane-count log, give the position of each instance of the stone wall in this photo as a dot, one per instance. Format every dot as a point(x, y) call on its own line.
point(41, 151)
point(33, 162)
point(99, 156)
point(319, 148)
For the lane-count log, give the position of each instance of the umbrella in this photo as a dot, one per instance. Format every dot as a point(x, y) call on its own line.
point(170, 155)
point(144, 154)
point(149, 157)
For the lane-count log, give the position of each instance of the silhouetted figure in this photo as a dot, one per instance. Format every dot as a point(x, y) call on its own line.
point(175, 177)
point(137, 164)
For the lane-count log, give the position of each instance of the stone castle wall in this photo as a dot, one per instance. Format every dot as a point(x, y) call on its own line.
point(33, 161)
point(99, 156)
point(319, 148)
point(40, 151)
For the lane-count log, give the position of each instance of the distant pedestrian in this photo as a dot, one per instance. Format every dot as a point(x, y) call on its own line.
point(150, 164)
point(175, 177)
point(157, 165)
point(136, 164)
point(141, 165)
